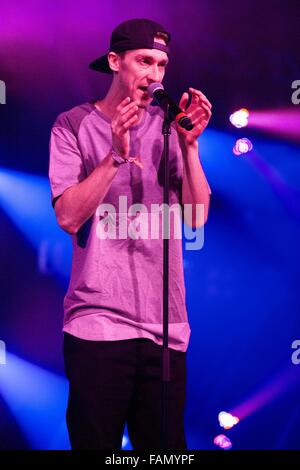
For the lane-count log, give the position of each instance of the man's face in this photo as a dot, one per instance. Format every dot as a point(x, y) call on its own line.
point(138, 69)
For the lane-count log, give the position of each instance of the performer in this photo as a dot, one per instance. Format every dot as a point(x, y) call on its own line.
point(113, 308)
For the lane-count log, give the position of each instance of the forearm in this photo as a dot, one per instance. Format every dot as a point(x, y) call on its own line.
point(78, 203)
point(194, 186)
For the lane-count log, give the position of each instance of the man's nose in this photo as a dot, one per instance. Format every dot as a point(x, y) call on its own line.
point(154, 73)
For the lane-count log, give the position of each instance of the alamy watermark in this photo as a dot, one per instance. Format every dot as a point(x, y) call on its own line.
point(2, 92)
point(2, 352)
point(296, 354)
point(296, 94)
point(160, 221)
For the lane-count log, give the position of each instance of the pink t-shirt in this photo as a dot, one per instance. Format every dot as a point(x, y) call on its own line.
point(116, 286)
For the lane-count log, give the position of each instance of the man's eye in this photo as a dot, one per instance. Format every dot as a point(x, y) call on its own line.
point(147, 62)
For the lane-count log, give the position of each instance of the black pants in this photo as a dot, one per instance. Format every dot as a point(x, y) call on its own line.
point(113, 382)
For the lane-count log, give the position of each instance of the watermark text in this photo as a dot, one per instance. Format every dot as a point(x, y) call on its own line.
point(296, 354)
point(2, 92)
point(159, 221)
point(2, 352)
point(296, 94)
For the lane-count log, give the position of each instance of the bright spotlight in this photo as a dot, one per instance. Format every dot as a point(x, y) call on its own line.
point(242, 146)
point(227, 420)
point(239, 118)
point(37, 400)
point(223, 442)
point(125, 441)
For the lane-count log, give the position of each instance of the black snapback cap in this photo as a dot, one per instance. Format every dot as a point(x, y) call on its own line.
point(132, 34)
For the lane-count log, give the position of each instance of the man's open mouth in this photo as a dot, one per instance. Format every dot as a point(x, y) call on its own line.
point(143, 88)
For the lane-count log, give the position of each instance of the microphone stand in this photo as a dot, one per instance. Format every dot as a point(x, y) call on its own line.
point(166, 131)
point(171, 111)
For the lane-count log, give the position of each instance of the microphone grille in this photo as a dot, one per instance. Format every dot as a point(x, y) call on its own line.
point(153, 87)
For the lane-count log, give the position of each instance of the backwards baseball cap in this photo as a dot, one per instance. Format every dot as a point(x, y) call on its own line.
point(132, 34)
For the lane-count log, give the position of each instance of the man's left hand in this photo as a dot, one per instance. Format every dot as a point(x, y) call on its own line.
point(199, 111)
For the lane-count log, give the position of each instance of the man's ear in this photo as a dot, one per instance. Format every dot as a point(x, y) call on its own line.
point(114, 61)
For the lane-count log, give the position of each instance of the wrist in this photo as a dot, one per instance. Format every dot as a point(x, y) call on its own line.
point(187, 146)
point(117, 157)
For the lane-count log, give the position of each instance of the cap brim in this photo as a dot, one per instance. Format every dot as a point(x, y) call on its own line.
point(101, 64)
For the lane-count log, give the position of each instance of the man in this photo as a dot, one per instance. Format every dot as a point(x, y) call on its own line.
point(113, 307)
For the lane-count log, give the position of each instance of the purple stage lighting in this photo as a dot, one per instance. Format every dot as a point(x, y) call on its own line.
point(223, 442)
point(227, 420)
point(239, 118)
point(242, 146)
point(283, 123)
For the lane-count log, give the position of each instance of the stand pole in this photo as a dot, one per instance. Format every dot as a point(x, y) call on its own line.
point(166, 131)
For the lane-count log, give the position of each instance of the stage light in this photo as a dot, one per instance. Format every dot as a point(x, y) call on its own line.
point(125, 441)
point(239, 118)
point(280, 384)
point(227, 420)
point(26, 200)
point(37, 399)
point(223, 442)
point(283, 123)
point(242, 146)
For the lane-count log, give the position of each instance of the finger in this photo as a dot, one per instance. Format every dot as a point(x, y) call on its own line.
point(194, 91)
point(138, 163)
point(198, 119)
point(203, 110)
point(123, 103)
point(207, 109)
point(122, 108)
point(205, 101)
point(203, 107)
point(201, 120)
point(184, 100)
point(122, 116)
point(195, 100)
point(125, 126)
point(127, 115)
point(201, 96)
point(201, 125)
point(128, 107)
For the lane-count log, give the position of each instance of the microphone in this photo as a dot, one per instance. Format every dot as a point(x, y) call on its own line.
point(157, 92)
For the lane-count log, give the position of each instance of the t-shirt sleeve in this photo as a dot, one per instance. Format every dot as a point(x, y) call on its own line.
point(66, 165)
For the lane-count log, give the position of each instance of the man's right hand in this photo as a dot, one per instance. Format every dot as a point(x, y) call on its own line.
point(125, 116)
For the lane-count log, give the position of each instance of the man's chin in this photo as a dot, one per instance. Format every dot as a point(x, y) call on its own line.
point(144, 103)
